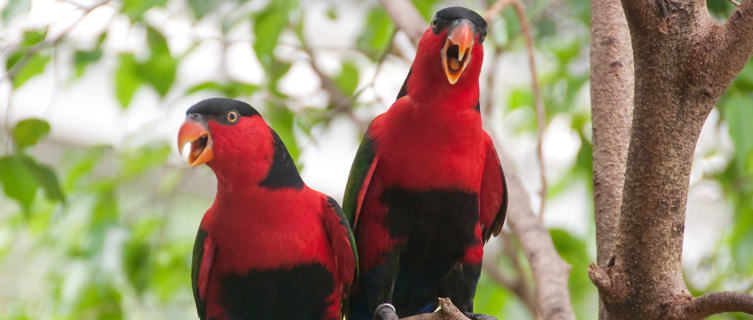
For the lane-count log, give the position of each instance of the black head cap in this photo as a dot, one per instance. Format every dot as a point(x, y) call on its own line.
point(220, 106)
point(446, 16)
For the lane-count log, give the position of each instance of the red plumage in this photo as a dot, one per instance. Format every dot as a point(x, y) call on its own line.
point(269, 246)
point(426, 189)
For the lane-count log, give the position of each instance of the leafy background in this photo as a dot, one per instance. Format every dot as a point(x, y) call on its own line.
point(98, 213)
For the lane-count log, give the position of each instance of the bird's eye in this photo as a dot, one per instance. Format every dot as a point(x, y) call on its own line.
point(434, 22)
point(232, 116)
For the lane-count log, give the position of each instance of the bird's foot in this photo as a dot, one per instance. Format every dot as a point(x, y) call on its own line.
point(479, 316)
point(385, 311)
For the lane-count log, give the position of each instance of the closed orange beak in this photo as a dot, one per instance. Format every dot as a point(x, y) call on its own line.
point(456, 52)
point(197, 134)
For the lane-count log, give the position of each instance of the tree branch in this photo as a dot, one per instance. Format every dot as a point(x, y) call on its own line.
point(612, 86)
point(713, 303)
point(540, 110)
point(520, 12)
point(736, 40)
point(548, 268)
point(519, 286)
point(406, 18)
point(447, 311)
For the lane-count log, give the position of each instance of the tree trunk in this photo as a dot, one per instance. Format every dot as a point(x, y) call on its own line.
point(683, 63)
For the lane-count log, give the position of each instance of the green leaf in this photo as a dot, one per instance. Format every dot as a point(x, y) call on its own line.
point(277, 70)
point(376, 34)
point(30, 38)
point(83, 58)
point(160, 69)
point(425, 7)
point(33, 66)
point(82, 163)
point(27, 132)
point(98, 301)
point(127, 80)
point(18, 181)
point(347, 80)
point(40, 175)
point(46, 178)
point(267, 28)
point(135, 9)
point(201, 7)
point(283, 121)
point(15, 7)
point(137, 253)
point(144, 158)
point(230, 89)
point(33, 37)
point(737, 112)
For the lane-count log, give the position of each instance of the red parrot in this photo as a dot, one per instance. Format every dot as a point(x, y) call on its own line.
point(269, 247)
point(426, 189)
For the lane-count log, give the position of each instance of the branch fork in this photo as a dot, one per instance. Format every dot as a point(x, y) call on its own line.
point(612, 282)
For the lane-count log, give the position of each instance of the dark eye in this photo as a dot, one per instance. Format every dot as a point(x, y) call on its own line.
point(232, 116)
point(434, 22)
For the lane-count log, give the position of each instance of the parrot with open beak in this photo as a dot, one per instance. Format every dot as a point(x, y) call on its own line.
point(426, 189)
point(269, 247)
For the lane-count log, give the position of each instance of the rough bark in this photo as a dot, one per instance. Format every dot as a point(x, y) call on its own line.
point(549, 270)
point(683, 63)
point(611, 116)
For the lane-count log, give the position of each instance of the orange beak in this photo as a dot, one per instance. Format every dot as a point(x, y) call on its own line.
point(196, 133)
point(456, 53)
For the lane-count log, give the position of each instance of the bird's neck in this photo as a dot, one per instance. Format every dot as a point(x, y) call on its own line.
point(429, 85)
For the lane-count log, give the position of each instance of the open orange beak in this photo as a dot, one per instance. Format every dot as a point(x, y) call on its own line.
point(196, 133)
point(456, 52)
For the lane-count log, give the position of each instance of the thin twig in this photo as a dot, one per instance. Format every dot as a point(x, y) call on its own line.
point(341, 103)
point(492, 12)
point(380, 63)
point(735, 2)
point(496, 9)
point(44, 44)
point(540, 110)
point(519, 285)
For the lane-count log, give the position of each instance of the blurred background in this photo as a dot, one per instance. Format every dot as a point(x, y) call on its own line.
point(98, 212)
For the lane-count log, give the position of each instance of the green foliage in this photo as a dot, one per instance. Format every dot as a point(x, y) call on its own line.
point(135, 9)
point(13, 8)
point(157, 71)
point(230, 89)
point(201, 7)
point(30, 60)
point(347, 80)
point(28, 132)
point(376, 34)
point(268, 24)
point(120, 218)
point(20, 175)
point(127, 79)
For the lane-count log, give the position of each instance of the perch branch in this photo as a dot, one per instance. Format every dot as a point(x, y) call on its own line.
point(713, 303)
point(548, 268)
point(447, 311)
